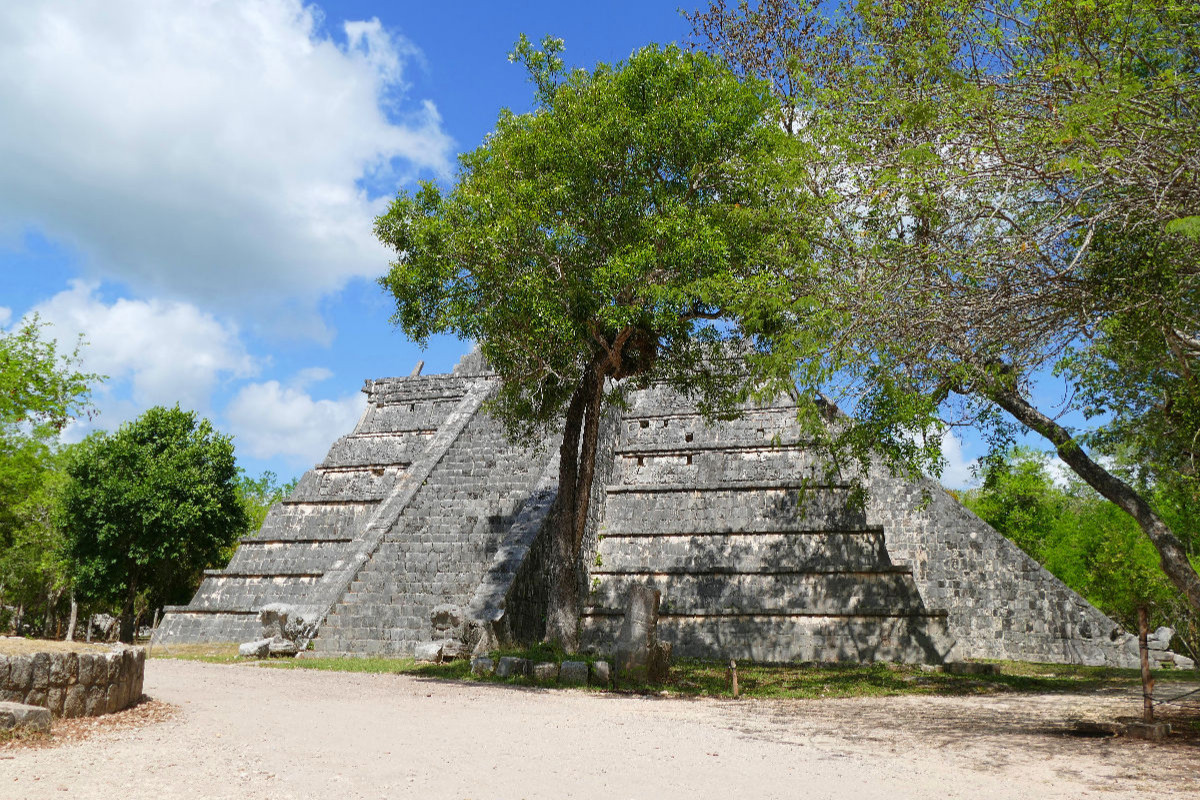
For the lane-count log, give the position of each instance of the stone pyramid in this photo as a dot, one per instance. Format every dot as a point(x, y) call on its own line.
point(426, 524)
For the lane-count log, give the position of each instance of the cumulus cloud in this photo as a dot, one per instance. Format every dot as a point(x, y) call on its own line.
point(271, 419)
point(154, 352)
point(210, 149)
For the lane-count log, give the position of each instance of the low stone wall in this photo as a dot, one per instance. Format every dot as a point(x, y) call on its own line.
point(72, 684)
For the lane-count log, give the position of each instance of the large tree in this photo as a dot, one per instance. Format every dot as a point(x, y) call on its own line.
point(625, 229)
point(148, 508)
point(1008, 187)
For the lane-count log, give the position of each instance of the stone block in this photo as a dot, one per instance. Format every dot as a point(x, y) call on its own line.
point(36, 697)
point(511, 667)
point(1153, 731)
point(659, 666)
point(428, 651)
point(55, 696)
point(638, 633)
point(22, 716)
point(546, 672)
point(446, 615)
point(64, 668)
point(112, 700)
point(573, 673)
point(273, 618)
point(96, 700)
point(482, 665)
point(971, 668)
point(41, 671)
point(601, 674)
point(20, 672)
point(255, 649)
point(279, 647)
point(75, 704)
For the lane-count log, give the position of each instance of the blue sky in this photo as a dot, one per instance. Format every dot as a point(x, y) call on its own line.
point(191, 186)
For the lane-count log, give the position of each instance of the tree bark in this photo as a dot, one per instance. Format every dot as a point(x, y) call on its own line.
point(70, 637)
point(577, 465)
point(127, 614)
point(1173, 557)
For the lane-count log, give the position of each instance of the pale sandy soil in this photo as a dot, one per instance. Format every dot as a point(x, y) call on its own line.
point(19, 646)
point(244, 732)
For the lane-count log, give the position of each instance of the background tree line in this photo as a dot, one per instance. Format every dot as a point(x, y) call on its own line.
point(121, 523)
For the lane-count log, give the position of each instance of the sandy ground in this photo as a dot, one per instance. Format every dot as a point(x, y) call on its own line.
point(244, 732)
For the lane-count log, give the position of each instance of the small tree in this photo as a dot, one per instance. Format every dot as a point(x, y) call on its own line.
point(623, 230)
point(41, 390)
point(148, 508)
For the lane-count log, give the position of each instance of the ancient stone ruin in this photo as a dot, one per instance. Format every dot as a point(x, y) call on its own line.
point(422, 532)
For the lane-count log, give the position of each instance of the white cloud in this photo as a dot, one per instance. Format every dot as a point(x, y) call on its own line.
point(958, 472)
point(213, 149)
point(5, 316)
point(271, 420)
point(162, 352)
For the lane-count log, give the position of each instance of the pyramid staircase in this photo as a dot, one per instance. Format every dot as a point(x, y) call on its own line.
point(309, 541)
point(757, 555)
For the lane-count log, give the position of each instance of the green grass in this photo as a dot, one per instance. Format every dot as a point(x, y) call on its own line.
point(690, 678)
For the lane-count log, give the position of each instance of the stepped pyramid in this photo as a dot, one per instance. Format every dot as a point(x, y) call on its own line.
point(427, 507)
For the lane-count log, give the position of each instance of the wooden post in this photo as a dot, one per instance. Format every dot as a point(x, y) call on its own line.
point(1147, 681)
point(733, 677)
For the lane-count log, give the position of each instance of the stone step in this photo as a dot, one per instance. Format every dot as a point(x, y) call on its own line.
point(233, 593)
point(308, 521)
point(755, 427)
point(284, 557)
point(346, 484)
point(425, 413)
point(760, 508)
point(184, 625)
point(721, 467)
point(873, 593)
point(744, 552)
point(915, 638)
point(376, 449)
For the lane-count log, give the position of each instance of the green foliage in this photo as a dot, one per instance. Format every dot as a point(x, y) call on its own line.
point(1086, 541)
point(41, 390)
point(257, 495)
point(636, 217)
point(148, 508)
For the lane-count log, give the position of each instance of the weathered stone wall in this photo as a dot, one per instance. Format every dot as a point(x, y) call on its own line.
point(441, 545)
point(1001, 603)
point(74, 684)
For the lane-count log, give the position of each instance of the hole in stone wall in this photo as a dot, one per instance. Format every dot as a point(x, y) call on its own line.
point(687, 437)
point(377, 471)
point(645, 423)
point(689, 460)
point(641, 461)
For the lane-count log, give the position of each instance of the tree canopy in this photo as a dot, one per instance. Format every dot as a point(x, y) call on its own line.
point(41, 390)
point(1007, 188)
point(632, 223)
point(148, 508)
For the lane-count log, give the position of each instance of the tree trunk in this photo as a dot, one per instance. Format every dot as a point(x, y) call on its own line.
point(74, 616)
point(127, 614)
point(577, 465)
point(1173, 557)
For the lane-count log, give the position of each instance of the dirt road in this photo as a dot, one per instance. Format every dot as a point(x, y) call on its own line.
point(246, 732)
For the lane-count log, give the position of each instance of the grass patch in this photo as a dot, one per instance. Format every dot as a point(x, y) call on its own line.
point(218, 653)
point(693, 678)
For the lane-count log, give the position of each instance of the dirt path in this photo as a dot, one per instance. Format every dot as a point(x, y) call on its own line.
point(256, 733)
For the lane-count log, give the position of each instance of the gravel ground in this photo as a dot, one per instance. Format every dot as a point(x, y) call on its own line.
point(244, 732)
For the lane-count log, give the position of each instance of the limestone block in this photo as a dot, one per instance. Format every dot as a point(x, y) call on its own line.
point(573, 673)
point(638, 633)
point(273, 618)
point(41, 671)
point(36, 697)
point(255, 649)
point(20, 674)
point(545, 672)
point(75, 704)
point(23, 716)
point(601, 673)
point(112, 700)
point(280, 647)
point(429, 651)
point(96, 701)
point(54, 699)
point(446, 615)
point(482, 665)
point(510, 667)
point(63, 669)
